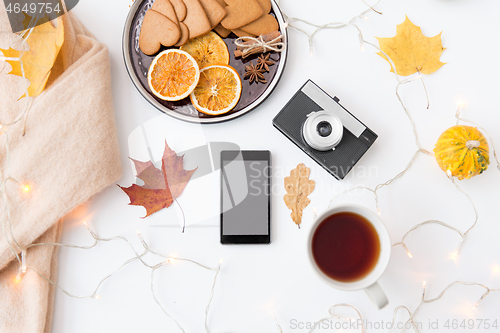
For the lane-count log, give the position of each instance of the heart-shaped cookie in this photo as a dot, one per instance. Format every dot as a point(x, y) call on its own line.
point(241, 33)
point(184, 34)
point(266, 5)
point(214, 11)
point(165, 8)
point(180, 9)
point(196, 19)
point(240, 13)
point(157, 30)
point(223, 32)
point(264, 25)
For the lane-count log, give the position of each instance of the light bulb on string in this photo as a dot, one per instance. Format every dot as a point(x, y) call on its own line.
point(408, 253)
point(23, 262)
point(17, 279)
point(25, 188)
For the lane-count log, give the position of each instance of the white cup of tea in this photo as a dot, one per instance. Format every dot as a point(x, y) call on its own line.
point(349, 248)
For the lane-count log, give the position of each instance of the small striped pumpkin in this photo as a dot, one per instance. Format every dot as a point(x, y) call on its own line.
point(462, 151)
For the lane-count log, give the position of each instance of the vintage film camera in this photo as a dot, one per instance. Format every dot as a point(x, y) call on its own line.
point(324, 130)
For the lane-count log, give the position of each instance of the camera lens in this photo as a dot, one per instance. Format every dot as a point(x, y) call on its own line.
point(324, 128)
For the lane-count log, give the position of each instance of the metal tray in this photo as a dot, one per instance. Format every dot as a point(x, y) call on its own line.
point(137, 64)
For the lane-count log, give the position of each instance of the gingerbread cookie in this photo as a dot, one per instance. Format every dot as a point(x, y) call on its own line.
point(222, 3)
point(180, 9)
point(165, 8)
point(184, 34)
point(241, 33)
point(262, 26)
point(266, 5)
point(196, 19)
point(240, 13)
point(223, 32)
point(214, 11)
point(157, 30)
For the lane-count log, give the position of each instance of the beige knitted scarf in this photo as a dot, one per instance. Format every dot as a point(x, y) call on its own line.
point(69, 153)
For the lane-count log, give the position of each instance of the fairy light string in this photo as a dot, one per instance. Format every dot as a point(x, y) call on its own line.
point(424, 301)
point(20, 252)
point(334, 25)
point(332, 315)
point(411, 320)
point(166, 260)
point(463, 235)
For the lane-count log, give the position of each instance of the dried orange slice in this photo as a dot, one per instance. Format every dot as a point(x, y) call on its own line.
point(218, 90)
point(173, 75)
point(208, 49)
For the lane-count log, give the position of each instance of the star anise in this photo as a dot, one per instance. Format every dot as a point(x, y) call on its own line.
point(263, 62)
point(254, 73)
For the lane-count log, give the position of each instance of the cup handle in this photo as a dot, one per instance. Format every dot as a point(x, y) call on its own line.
point(377, 295)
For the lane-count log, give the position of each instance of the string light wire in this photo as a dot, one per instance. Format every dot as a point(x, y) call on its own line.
point(139, 257)
point(332, 315)
point(413, 125)
point(441, 295)
point(16, 248)
point(411, 320)
point(332, 25)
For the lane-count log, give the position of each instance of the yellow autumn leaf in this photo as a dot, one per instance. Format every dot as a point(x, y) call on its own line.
point(411, 51)
point(45, 42)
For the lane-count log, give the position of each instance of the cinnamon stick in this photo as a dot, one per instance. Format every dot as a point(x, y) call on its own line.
point(242, 52)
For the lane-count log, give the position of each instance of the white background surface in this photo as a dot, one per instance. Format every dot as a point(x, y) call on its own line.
point(258, 280)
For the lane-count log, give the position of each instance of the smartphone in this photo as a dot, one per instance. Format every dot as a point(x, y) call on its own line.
point(245, 197)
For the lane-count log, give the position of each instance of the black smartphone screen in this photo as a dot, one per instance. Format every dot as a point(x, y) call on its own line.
point(245, 197)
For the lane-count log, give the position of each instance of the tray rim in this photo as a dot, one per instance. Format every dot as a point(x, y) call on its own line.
point(212, 120)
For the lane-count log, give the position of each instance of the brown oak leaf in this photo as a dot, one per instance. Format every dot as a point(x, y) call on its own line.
point(298, 186)
point(161, 187)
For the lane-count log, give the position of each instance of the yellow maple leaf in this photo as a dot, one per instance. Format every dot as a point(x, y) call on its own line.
point(45, 42)
point(411, 51)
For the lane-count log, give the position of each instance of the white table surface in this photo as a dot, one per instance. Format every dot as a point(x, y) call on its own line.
point(256, 281)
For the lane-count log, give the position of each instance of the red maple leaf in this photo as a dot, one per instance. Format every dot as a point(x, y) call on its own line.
point(161, 187)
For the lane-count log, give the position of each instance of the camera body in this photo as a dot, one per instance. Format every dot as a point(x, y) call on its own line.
point(324, 130)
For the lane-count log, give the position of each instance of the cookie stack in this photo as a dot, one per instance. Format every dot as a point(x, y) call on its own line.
point(247, 18)
point(174, 22)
